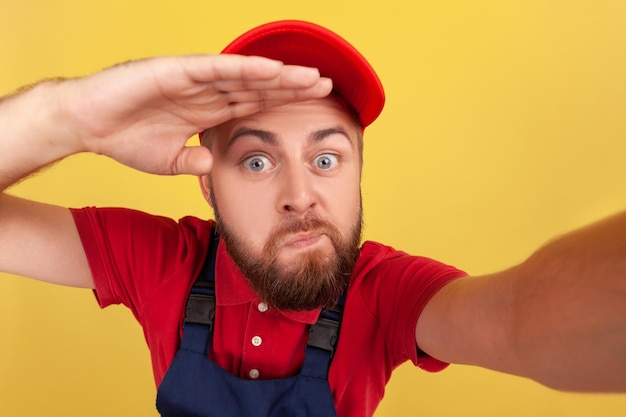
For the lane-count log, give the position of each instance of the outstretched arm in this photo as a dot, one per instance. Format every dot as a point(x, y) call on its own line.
point(139, 113)
point(558, 318)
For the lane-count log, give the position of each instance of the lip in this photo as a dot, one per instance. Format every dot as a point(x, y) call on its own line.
point(302, 240)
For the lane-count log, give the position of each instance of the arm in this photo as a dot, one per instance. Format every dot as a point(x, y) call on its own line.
point(140, 114)
point(558, 318)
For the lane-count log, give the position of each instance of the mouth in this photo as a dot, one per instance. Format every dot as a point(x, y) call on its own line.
point(303, 240)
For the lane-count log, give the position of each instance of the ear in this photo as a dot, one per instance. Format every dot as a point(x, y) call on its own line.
point(206, 189)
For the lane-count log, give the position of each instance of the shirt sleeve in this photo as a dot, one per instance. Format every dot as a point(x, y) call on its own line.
point(403, 285)
point(132, 253)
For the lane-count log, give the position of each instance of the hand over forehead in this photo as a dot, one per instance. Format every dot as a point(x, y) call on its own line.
point(141, 113)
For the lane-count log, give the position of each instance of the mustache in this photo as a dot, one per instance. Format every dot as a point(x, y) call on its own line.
point(297, 224)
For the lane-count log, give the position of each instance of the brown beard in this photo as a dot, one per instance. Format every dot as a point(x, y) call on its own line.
point(317, 280)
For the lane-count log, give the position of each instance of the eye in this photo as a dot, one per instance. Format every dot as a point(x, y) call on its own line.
point(257, 163)
point(326, 161)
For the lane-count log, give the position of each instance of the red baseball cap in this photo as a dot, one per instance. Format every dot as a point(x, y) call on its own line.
point(296, 42)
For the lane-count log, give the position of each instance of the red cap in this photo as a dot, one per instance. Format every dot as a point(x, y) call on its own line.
point(296, 42)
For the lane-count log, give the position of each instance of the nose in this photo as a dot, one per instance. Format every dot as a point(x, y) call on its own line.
point(297, 194)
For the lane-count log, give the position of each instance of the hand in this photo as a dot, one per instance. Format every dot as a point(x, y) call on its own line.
point(142, 113)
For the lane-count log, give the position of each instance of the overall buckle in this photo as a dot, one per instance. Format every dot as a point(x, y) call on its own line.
point(324, 334)
point(200, 309)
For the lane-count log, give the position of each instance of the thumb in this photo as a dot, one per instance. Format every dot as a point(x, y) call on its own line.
point(193, 160)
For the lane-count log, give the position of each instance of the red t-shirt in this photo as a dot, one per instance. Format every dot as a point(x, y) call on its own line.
point(149, 264)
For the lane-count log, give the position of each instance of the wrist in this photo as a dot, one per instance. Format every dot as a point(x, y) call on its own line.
point(54, 127)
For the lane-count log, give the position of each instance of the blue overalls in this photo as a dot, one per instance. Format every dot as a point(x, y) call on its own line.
point(195, 385)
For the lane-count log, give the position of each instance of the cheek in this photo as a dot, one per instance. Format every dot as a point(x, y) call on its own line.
point(245, 209)
point(345, 204)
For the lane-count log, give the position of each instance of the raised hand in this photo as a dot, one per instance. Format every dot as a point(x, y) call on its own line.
point(141, 113)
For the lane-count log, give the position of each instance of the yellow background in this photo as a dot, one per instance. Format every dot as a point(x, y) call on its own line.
point(504, 126)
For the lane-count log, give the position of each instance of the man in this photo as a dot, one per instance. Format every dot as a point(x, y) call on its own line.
point(281, 166)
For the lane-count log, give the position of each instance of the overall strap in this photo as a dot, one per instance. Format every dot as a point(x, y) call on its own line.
point(323, 339)
point(200, 311)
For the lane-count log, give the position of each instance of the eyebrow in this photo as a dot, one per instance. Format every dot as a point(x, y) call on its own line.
point(320, 135)
point(263, 135)
point(271, 138)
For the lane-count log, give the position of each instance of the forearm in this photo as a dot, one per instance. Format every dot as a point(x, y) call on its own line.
point(569, 325)
point(36, 131)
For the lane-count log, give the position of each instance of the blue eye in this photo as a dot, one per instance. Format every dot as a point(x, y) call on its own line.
point(257, 163)
point(326, 161)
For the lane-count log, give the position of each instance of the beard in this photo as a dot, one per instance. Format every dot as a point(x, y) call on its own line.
point(316, 279)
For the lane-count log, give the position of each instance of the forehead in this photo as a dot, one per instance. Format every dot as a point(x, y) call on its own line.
point(294, 119)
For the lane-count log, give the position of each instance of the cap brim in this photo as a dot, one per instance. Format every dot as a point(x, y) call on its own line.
point(296, 42)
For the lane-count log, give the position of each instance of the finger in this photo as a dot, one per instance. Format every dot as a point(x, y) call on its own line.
point(193, 160)
point(244, 103)
point(320, 89)
point(237, 110)
point(274, 84)
point(293, 76)
point(248, 69)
